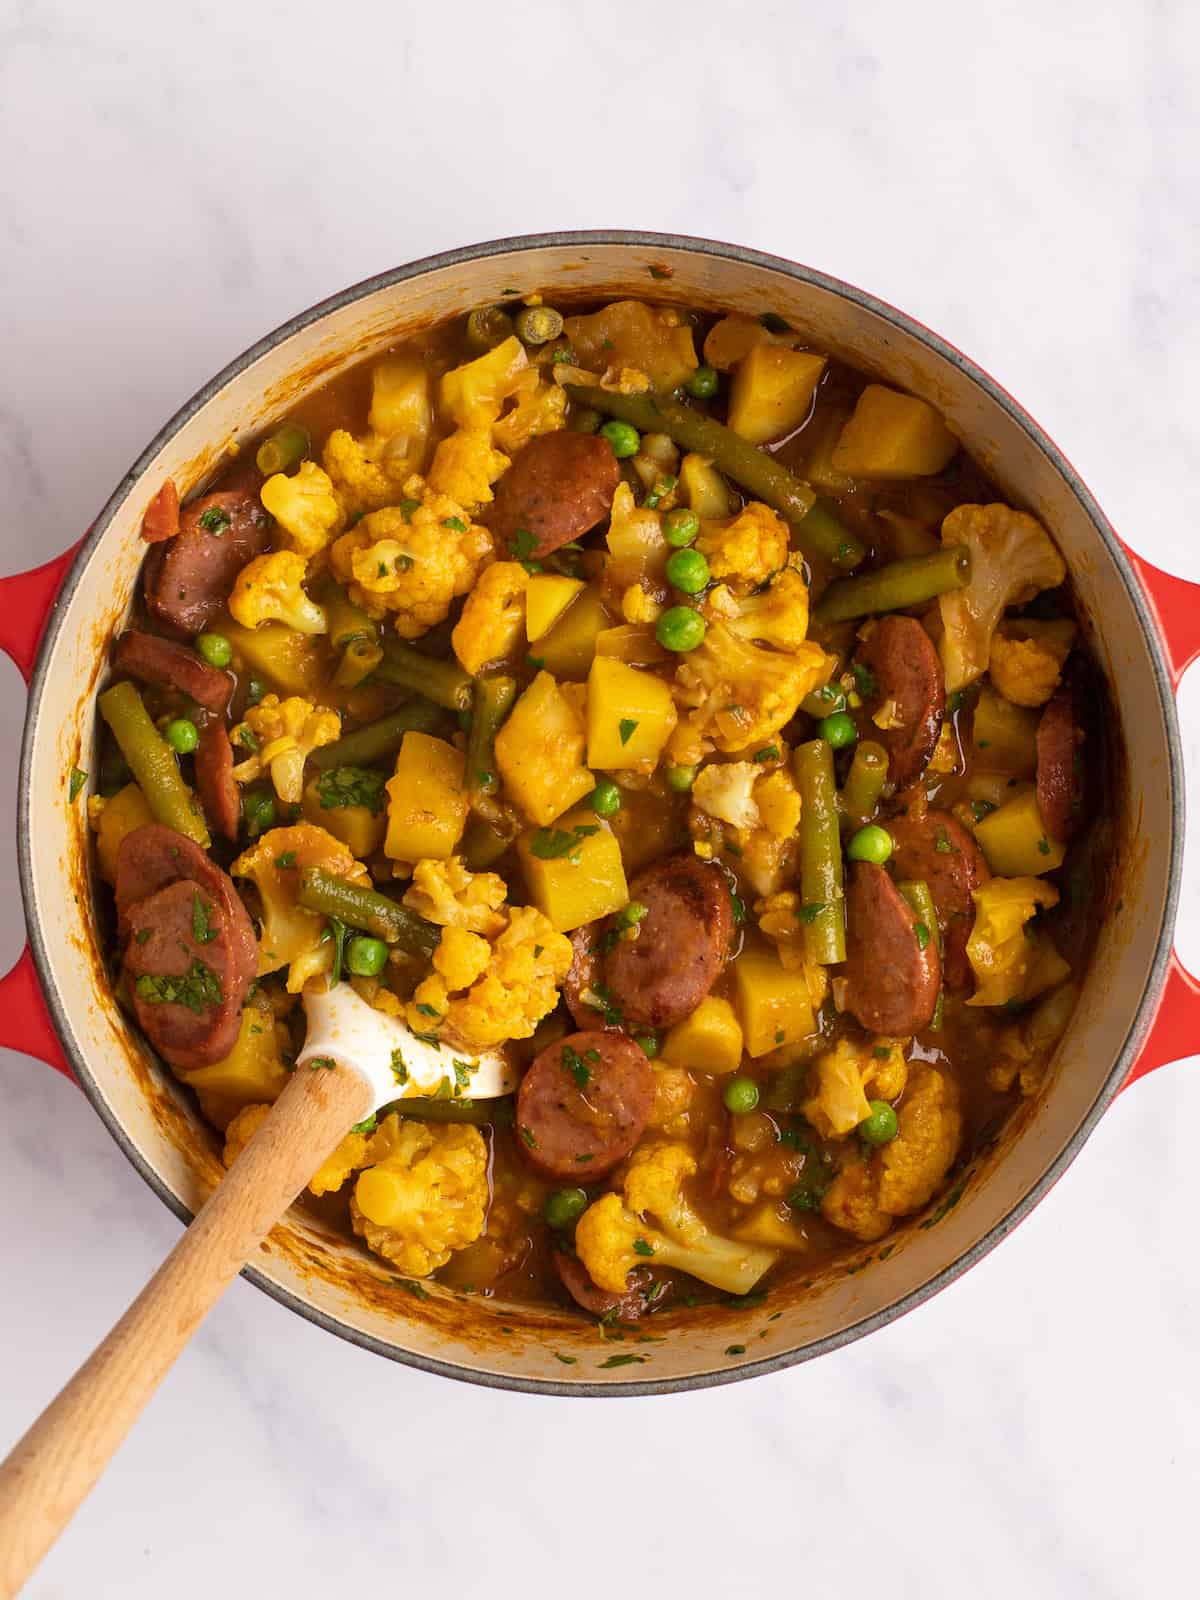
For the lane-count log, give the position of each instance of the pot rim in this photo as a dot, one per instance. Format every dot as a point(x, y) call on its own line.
point(580, 239)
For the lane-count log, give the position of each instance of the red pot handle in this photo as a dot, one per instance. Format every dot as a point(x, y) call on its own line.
point(26, 600)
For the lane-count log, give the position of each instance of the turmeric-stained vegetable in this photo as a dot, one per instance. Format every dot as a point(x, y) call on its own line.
point(772, 1001)
point(710, 1040)
point(1016, 841)
point(1005, 735)
point(539, 752)
point(152, 762)
point(703, 489)
point(893, 435)
point(123, 814)
point(546, 598)
point(379, 739)
point(908, 582)
point(569, 646)
point(573, 870)
point(630, 716)
point(427, 800)
point(359, 906)
point(772, 391)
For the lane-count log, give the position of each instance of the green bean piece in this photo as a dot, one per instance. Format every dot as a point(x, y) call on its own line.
point(359, 660)
point(367, 910)
point(864, 782)
point(347, 621)
point(483, 843)
point(443, 682)
point(488, 326)
point(377, 740)
point(919, 897)
point(152, 762)
point(282, 450)
point(494, 698)
point(822, 909)
point(909, 582)
point(538, 324)
point(478, 1112)
point(820, 536)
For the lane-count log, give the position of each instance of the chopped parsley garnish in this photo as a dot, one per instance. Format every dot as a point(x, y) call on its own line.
point(201, 931)
point(197, 989)
point(625, 728)
point(947, 1205)
point(562, 354)
point(527, 1135)
point(809, 913)
point(244, 736)
point(735, 1349)
point(407, 507)
point(1044, 845)
point(536, 662)
point(352, 786)
point(922, 933)
point(865, 679)
point(739, 909)
point(981, 809)
point(399, 1070)
point(428, 1011)
point(576, 1066)
point(462, 1075)
point(143, 934)
point(550, 844)
point(75, 783)
point(621, 1361)
point(417, 1290)
point(584, 1158)
point(881, 1052)
point(367, 1125)
point(381, 569)
point(455, 523)
point(321, 1063)
point(942, 843)
point(524, 544)
point(642, 1247)
point(599, 997)
point(774, 323)
point(657, 271)
point(769, 752)
point(215, 520)
point(567, 1361)
point(780, 1035)
point(286, 860)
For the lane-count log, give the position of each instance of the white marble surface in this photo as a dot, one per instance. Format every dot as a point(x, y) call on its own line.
point(175, 180)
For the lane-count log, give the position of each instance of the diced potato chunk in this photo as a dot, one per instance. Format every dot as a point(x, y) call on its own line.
point(710, 1040)
point(703, 488)
point(629, 333)
point(1015, 842)
point(821, 437)
point(400, 401)
point(546, 598)
point(633, 642)
point(539, 752)
point(585, 881)
point(291, 662)
point(359, 829)
point(1005, 735)
point(630, 716)
point(770, 1224)
point(568, 648)
point(772, 391)
point(253, 1073)
point(427, 801)
point(773, 1003)
point(122, 815)
point(893, 435)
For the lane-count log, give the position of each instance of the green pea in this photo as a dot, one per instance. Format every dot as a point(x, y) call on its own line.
point(680, 526)
point(258, 813)
point(605, 798)
point(680, 628)
point(538, 324)
point(680, 779)
point(630, 915)
point(688, 571)
point(564, 1207)
point(623, 437)
point(741, 1096)
point(838, 730)
point(882, 1126)
point(255, 689)
point(871, 843)
point(182, 735)
point(702, 384)
point(215, 648)
point(584, 419)
point(366, 958)
point(647, 1043)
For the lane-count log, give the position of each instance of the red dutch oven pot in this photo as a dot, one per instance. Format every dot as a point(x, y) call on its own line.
point(1138, 1008)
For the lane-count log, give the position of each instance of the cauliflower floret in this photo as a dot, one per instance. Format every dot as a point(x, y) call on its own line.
point(330, 1175)
point(870, 1192)
point(725, 790)
point(285, 732)
point(613, 1235)
point(1007, 963)
point(778, 616)
point(745, 551)
point(291, 936)
point(739, 694)
point(423, 1193)
point(362, 484)
point(461, 957)
point(1012, 559)
point(493, 619)
point(472, 395)
point(673, 1091)
point(269, 590)
point(465, 465)
point(778, 802)
point(1026, 1046)
point(638, 605)
point(843, 1077)
point(368, 472)
point(1027, 659)
point(304, 506)
point(446, 893)
point(410, 560)
point(540, 408)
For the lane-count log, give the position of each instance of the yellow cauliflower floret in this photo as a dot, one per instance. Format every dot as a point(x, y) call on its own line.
point(870, 1192)
point(291, 936)
point(519, 987)
point(778, 616)
point(493, 618)
point(725, 790)
point(362, 484)
point(461, 957)
point(423, 1193)
point(638, 605)
point(473, 394)
point(746, 550)
point(1027, 659)
point(738, 693)
point(409, 561)
point(778, 802)
point(465, 465)
point(304, 506)
point(673, 1091)
point(843, 1077)
point(1008, 965)
point(330, 1175)
point(369, 472)
point(286, 732)
point(445, 892)
point(540, 408)
point(270, 589)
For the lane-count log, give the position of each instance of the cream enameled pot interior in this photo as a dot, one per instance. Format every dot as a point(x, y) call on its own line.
point(326, 1276)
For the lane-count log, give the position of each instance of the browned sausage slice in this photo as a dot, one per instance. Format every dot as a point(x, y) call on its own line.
point(560, 485)
point(173, 666)
point(1060, 771)
point(583, 1105)
point(185, 977)
point(188, 579)
point(155, 856)
point(219, 793)
point(682, 944)
point(162, 515)
point(939, 850)
point(908, 681)
point(627, 1307)
point(891, 982)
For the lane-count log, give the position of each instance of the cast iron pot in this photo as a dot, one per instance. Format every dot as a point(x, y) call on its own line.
point(1137, 1008)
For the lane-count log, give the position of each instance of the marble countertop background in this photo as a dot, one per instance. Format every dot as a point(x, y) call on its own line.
point(1023, 177)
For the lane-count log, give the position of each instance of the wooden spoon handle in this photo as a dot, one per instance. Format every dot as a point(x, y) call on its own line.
point(56, 1464)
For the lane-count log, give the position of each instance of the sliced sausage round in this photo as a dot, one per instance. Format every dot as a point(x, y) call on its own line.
point(185, 975)
point(682, 943)
point(558, 487)
point(891, 982)
point(583, 1105)
point(168, 665)
point(219, 794)
point(155, 856)
point(908, 680)
point(627, 1307)
point(161, 520)
point(1060, 770)
point(187, 580)
point(937, 849)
